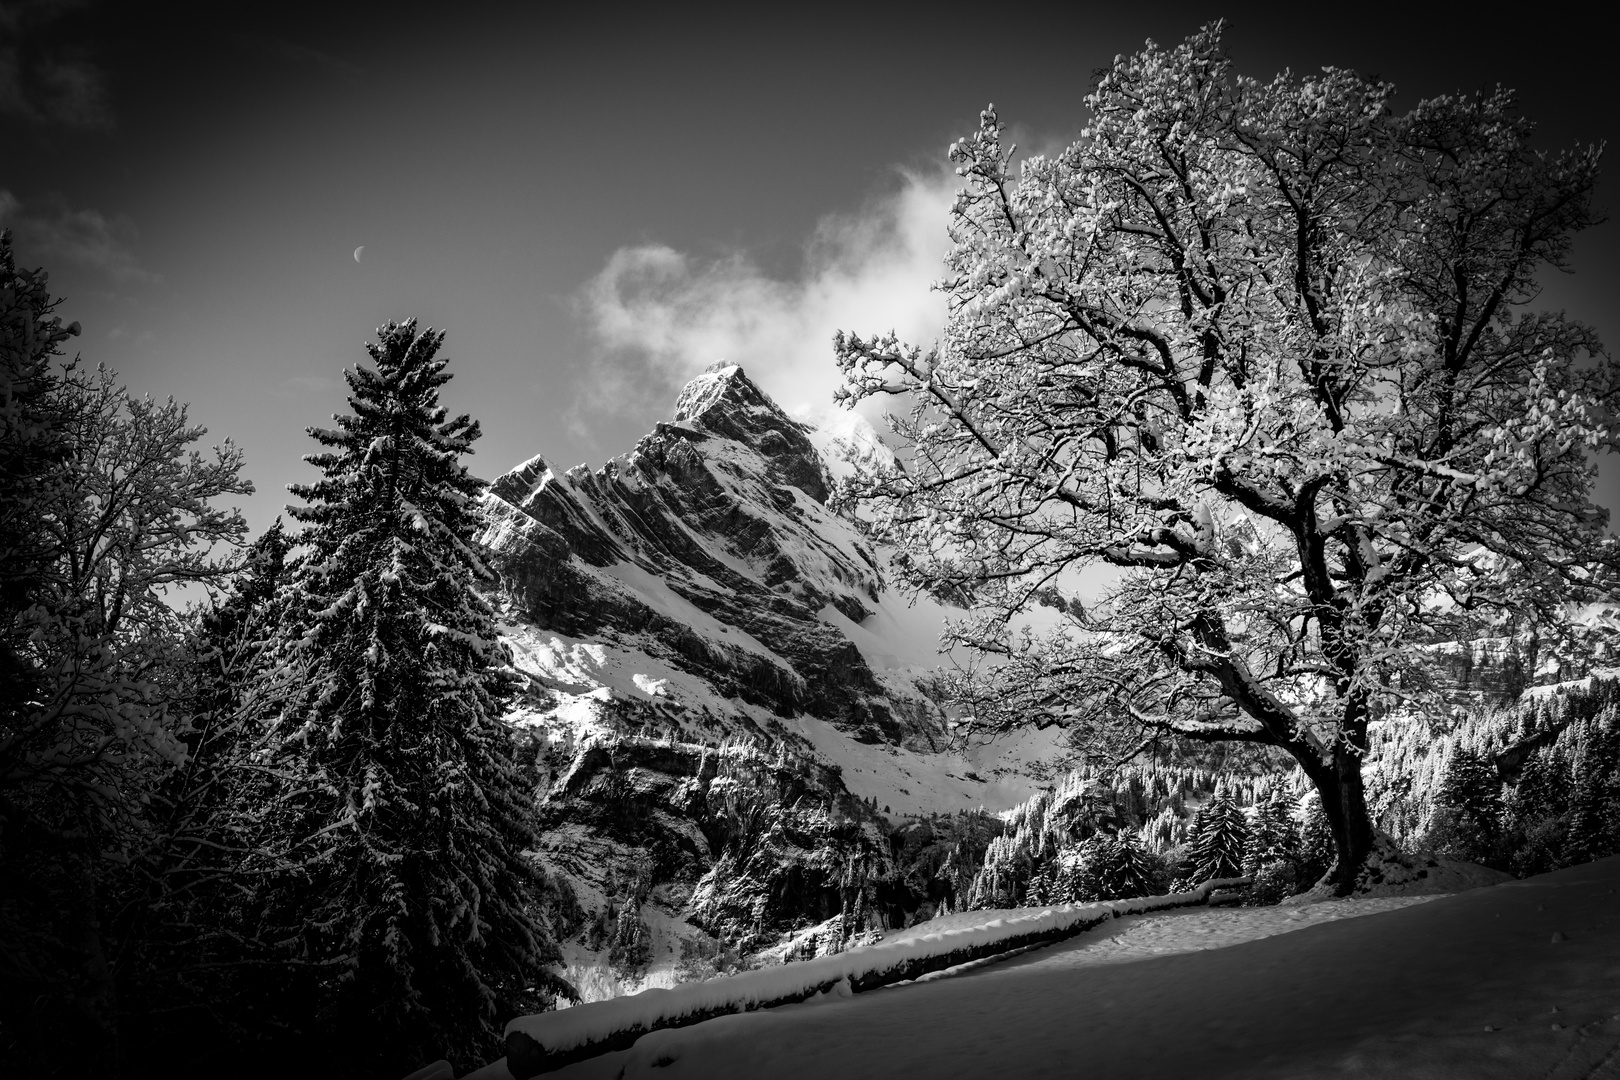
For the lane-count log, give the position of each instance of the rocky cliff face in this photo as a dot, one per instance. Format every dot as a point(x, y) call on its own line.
point(731, 714)
point(712, 544)
point(1495, 671)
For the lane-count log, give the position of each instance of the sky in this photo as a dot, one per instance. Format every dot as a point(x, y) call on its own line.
point(599, 205)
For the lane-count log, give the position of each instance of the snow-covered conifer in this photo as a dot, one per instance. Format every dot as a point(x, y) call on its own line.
point(189, 963)
point(1594, 812)
point(1219, 835)
point(1080, 869)
point(402, 806)
point(1316, 852)
point(1468, 808)
point(1273, 837)
point(1127, 869)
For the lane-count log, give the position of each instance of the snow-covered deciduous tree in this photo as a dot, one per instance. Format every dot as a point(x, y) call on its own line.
point(106, 507)
point(394, 817)
point(129, 518)
point(191, 963)
point(1264, 353)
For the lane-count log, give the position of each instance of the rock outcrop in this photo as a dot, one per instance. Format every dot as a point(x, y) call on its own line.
point(729, 712)
point(713, 540)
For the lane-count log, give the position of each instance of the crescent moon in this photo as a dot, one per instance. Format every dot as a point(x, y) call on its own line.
point(357, 252)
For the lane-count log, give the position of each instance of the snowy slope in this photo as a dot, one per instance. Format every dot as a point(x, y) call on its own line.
point(1512, 981)
point(936, 947)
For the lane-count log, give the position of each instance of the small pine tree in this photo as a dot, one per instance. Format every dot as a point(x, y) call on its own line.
point(1126, 869)
point(1585, 840)
point(1272, 834)
point(1316, 850)
point(1063, 884)
point(1468, 816)
point(400, 798)
point(1081, 866)
point(1542, 790)
point(1219, 835)
point(1594, 810)
point(1042, 887)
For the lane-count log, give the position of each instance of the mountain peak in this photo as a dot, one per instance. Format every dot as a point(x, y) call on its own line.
point(720, 385)
point(724, 401)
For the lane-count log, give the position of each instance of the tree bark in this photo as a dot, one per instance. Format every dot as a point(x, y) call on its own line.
point(1338, 781)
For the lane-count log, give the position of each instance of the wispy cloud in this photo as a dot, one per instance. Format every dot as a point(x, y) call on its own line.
point(86, 237)
point(661, 316)
point(44, 83)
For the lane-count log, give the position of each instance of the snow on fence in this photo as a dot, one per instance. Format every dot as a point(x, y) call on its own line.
point(546, 1041)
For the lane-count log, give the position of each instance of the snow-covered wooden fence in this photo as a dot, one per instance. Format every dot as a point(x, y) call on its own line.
point(546, 1041)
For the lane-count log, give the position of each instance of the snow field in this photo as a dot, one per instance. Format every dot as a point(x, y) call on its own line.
point(586, 1030)
point(1143, 937)
point(1520, 980)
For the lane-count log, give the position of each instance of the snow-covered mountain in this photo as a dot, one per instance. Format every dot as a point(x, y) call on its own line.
point(698, 625)
point(1495, 670)
point(735, 723)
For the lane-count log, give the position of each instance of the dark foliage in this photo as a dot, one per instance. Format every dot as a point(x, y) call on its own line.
point(394, 821)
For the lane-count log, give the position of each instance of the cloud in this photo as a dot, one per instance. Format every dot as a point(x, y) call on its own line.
point(86, 237)
point(45, 84)
point(660, 316)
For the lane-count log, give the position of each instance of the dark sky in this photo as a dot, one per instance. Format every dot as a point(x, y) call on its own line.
point(594, 206)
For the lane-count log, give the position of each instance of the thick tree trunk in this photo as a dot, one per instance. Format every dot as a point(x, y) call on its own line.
point(1344, 803)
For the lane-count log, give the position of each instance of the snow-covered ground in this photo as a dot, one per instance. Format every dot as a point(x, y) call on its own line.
point(1137, 937)
point(1516, 980)
point(928, 948)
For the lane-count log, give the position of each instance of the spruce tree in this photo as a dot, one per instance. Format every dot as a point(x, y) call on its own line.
point(1220, 834)
point(1272, 835)
point(1586, 839)
point(1468, 818)
point(1042, 887)
point(1127, 869)
point(34, 442)
point(400, 798)
point(1594, 805)
point(1316, 852)
point(1082, 869)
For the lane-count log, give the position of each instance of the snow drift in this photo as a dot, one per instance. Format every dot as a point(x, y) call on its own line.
point(560, 1038)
